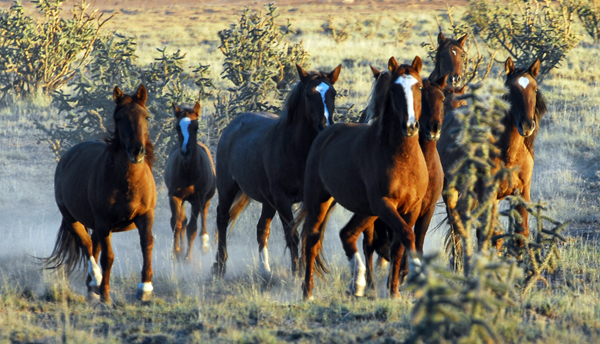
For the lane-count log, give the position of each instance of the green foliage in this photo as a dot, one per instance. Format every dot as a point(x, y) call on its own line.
point(259, 61)
point(89, 107)
point(589, 14)
point(39, 55)
point(526, 30)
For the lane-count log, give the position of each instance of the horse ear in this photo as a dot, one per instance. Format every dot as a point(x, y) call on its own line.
point(417, 64)
point(197, 109)
point(441, 81)
point(534, 70)
point(302, 74)
point(376, 72)
point(462, 40)
point(393, 64)
point(334, 74)
point(441, 38)
point(117, 94)
point(141, 94)
point(462, 89)
point(509, 65)
point(175, 109)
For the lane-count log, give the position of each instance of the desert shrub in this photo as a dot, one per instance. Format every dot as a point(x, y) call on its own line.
point(88, 108)
point(340, 30)
point(589, 14)
point(40, 55)
point(526, 30)
point(259, 62)
point(452, 306)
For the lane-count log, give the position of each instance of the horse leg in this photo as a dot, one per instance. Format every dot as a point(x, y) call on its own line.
point(94, 274)
point(144, 225)
point(349, 236)
point(177, 223)
point(369, 249)
point(204, 239)
point(421, 227)
point(311, 236)
point(292, 239)
point(403, 238)
point(226, 198)
point(192, 226)
point(263, 229)
point(106, 261)
point(524, 215)
point(381, 243)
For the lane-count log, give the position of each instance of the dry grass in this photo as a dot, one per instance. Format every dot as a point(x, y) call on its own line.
point(189, 307)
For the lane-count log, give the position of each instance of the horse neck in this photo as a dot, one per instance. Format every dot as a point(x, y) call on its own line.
point(296, 133)
point(428, 147)
point(510, 140)
point(391, 135)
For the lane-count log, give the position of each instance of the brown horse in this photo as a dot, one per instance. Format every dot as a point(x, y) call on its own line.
point(432, 115)
point(107, 187)
point(515, 142)
point(449, 58)
point(452, 98)
point(375, 171)
point(262, 156)
point(189, 176)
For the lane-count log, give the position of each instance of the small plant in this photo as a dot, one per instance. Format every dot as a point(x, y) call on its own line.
point(40, 55)
point(340, 32)
point(589, 14)
point(526, 30)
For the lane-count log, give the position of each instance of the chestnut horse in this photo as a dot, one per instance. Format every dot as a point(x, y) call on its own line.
point(449, 58)
point(430, 127)
point(515, 143)
point(107, 187)
point(375, 171)
point(262, 156)
point(452, 100)
point(189, 176)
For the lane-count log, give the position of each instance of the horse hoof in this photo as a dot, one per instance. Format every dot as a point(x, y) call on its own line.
point(382, 263)
point(395, 295)
point(144, 296)
point(217, 271)
point(92, 297)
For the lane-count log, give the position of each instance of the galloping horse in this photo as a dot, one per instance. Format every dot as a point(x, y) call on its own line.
point(107, 187)
point(263, 157)
point(189, 176)
point(430, 127)
point(449, 59)
point(515, 142)
point(375, 171)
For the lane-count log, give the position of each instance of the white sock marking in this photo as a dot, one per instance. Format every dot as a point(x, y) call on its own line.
point(205, 243)
point(358, 269)
point(407, 81)
point(145, 287)
point(264, 261)
point(523, 81)
point(94, 272)
point(323, 88)
point(183, 124)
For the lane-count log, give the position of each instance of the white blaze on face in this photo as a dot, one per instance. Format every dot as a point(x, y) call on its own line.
point(454, 52)
point(523, 81)
point(183, 124)
point(407, 82)
point(94, 272)
point(322, 88)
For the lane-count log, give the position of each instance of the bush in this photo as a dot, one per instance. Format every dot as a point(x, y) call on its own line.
point(39, 55)
point(526, 30)
point(589, 14)
point(89, 108)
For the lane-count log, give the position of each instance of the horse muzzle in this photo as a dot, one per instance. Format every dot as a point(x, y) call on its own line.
point(434, 133)
point(455, 80)
point(137, 156)
point(410, 130)
point(526, 129)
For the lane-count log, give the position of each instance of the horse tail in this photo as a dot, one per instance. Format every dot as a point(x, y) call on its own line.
point(320, 261)
point(68, 251)
point(239, 204)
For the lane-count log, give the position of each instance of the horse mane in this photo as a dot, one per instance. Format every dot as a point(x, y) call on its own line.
point(295, 101)
point(377, 98)
point(113, 140)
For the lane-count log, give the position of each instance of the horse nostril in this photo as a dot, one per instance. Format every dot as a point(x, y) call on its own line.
point(143, 151)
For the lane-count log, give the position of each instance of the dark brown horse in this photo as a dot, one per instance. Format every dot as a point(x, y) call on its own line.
point(452, 100)
point(431, 120)
point(515, 142)
point(262, 156)
point(189, 176)
point(107, 187)
point(449, 58)
point(375, 171)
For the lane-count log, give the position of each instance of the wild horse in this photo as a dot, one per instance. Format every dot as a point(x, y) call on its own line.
point(107, 187)
point(262, 156)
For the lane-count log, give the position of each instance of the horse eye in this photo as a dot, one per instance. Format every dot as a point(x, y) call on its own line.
point(420, 87)
point(443, 100)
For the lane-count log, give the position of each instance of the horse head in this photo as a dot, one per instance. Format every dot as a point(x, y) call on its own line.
point(318, 101)
point(526, 104)
point(449, 58)
point(432, 113)
point(405, 91)
point(131, 124)
point(187, 128)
